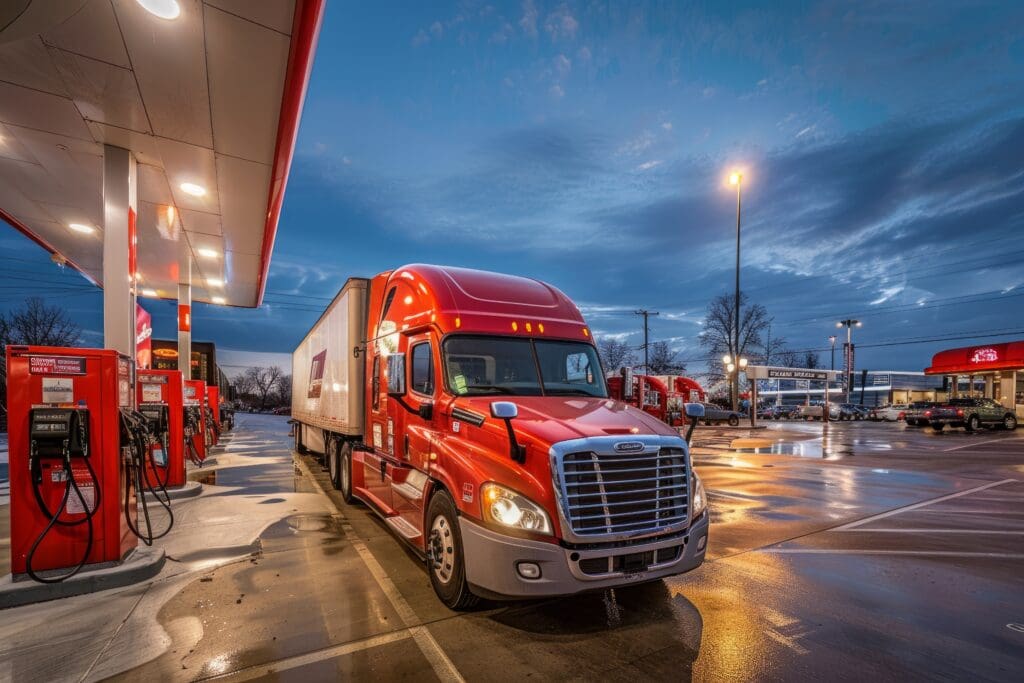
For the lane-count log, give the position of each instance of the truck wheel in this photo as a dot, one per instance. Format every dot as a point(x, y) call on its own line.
point(972, 424)
point(345, 472)
point(1010, 422)
point(734, 421)
point(333, 459)
point(444, 554)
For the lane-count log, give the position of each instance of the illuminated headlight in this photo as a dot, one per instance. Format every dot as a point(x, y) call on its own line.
point(700, 498)
point(507, 508)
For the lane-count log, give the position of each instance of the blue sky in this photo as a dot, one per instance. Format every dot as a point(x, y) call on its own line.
point(586, 144)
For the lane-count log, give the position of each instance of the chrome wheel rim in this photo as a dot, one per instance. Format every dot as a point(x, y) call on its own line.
point(442, 549)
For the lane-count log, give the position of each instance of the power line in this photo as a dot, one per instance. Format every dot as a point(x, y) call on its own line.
point(645, 313)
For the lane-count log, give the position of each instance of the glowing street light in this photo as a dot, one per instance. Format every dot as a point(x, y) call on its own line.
point(849, 324)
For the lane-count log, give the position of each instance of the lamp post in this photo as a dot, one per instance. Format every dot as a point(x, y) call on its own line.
point(736, 180)
point(832, 340)
point(849, 324)
point(732, 372)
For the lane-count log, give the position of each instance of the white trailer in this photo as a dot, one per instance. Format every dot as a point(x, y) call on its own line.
point(328, 386)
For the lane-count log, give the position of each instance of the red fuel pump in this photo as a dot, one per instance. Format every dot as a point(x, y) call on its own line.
point(195, 418)
point(73, 497)
point(213, 411)
point(161, 397)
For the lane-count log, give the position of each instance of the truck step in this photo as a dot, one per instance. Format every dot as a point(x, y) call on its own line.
point(403, 527)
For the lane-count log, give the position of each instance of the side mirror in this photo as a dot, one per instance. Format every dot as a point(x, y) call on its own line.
point(508, 411)
point(627, 382)
point(396, 374)
point(504, 410)
point(695, 410)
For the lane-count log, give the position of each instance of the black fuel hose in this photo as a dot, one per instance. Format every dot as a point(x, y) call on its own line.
point(136, 435)
point(71, 484)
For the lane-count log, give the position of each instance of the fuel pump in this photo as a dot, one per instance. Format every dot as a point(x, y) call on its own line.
point(136, 445)
point(160, 398)
point(195, 398)
point(56, 436)
point(193, 434)
point(68, 481)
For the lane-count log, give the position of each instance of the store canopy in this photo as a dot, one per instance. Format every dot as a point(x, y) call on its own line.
point(209, 103)
point(977, 359)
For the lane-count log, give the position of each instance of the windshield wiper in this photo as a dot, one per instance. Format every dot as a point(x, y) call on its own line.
point(490, 387)
point(570, 392)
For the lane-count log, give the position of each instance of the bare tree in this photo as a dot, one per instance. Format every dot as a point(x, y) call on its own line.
point(718, 335)
point(283, 393)
point(662, 360)
point(261, 382)
point(615, 354)
point(37, 324)
point(788, 358)
point(811, 360)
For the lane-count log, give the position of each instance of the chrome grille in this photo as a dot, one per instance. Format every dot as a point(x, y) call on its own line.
point(624, 494)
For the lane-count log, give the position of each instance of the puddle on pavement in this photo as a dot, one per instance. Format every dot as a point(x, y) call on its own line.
point(802, 449)
point(255, 479)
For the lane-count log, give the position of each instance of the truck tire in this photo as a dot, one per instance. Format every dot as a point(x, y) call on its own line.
point(734, 420)
point(1010, 422)
point(972, 424)
point(345, 472)
point(444, 554)
point(332, 458)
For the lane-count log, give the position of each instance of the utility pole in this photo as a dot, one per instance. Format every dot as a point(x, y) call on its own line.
point(645, 313)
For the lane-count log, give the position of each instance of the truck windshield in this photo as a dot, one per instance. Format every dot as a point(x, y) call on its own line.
point(480, 366)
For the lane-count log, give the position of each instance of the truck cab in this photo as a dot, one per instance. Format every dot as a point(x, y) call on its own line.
point(492, 447)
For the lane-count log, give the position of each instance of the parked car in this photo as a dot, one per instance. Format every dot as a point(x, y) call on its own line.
point(783, 412)
point(717, 414)
point(815, 410)
point(848, 411)
point(915, 413)
point(971, 414)
point(893, 412)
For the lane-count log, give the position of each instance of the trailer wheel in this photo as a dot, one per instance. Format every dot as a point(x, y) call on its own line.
point(333, 459)
point(345, 472)
point(444, 554)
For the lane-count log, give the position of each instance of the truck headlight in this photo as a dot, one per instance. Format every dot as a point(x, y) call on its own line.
point(508, 508)
point(700, 498)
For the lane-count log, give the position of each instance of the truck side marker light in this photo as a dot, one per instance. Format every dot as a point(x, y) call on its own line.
point(515, 326)
point(586, 332)
point(529, 327)
point(540, 327)
point(407, 300)
point(458, 322)
point(433, 457)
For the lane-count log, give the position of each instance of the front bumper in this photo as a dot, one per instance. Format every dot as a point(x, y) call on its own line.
point(492, 560)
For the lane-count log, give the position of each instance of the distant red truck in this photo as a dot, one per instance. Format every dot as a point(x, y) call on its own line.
point(470, 411)
point(663, 396)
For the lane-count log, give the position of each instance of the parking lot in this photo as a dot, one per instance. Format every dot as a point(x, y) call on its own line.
point(878, 551)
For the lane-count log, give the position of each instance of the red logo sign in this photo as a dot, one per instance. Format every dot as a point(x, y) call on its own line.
point(50, 365)
point(986, 355)
point(316, 374)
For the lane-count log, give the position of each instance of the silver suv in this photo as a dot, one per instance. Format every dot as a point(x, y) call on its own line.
point(971, 414)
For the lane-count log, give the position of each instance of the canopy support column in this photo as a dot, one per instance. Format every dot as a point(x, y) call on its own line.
point(119, 244)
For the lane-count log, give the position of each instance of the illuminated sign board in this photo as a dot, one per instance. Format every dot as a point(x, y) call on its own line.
point(985, 355)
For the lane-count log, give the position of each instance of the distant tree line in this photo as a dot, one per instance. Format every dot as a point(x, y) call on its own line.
point(261, 388)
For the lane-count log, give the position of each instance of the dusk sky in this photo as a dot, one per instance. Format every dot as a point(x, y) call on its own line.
point(587, 145)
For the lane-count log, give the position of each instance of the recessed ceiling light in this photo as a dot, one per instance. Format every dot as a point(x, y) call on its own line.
point(214, 282)
point(217, 299)
point(193, 189)
point(165, 9)
point(208, 253)
point(149, 292)
point(79, 227)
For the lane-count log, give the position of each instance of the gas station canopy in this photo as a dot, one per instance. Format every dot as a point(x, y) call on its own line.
point(206, 95)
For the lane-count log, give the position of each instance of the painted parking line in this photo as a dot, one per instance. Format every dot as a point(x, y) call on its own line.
point(288, 663)
point(980, 532)
point(913, 553)
point(443, 667)
point(971, 445)
point(915, 506)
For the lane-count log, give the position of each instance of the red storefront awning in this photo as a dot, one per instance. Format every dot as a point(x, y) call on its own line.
point(977, 359)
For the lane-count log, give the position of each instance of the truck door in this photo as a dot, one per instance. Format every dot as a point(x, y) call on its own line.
point(415, 432)
point(375, 462)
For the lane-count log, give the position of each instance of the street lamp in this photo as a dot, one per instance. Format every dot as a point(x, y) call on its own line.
point(832, 340)
point(849, 324)
point(736, 180)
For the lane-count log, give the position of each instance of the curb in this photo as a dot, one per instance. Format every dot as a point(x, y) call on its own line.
point(140, 564)
point(189, 490)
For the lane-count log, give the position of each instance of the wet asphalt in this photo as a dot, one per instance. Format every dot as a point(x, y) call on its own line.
point(867, 551)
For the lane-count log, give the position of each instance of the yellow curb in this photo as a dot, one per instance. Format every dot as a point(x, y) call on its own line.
point(750, 443)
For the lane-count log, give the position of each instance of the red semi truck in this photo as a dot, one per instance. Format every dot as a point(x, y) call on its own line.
point(469, 410)
point(663, 396)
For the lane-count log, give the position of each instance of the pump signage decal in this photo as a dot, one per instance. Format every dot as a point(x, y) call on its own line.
point(316, 374)
point(151, 393)
point(58, 390)
point(50, 365)
point(153, 379)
